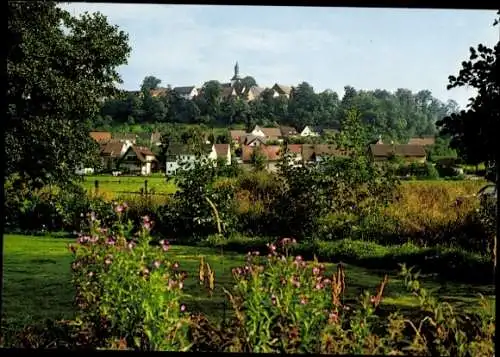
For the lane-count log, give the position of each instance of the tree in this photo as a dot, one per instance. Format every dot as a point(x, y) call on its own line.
point(150, 82)
point(248, 82)
point(474, 131)
point(59, 68)
point(258, 159)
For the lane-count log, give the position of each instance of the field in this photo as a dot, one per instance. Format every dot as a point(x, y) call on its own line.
point(117, 186)
point(37, 281)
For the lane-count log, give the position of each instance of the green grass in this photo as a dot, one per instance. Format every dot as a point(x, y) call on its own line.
point(37, 281)
point(128, 184)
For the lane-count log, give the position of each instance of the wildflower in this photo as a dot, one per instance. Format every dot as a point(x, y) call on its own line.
point(303, 301)
point(156, 264)
point(333, 317)
point(273, 299)
point(256, 253)
point(119, 209)
point(110, 241)
point(164, 245)
point(298, 258)
point(295, 282)
point(327, 281)
point(146, 226)
point(171, 283)
point(181, 284)
point(82, 239)
point(146, 219)
point(176, 265)
point(91, 273)
point(315, 271)
point(94, 239)
point(272, 248)
point(319, 286)
point(131, 245)
point(183, 308)
point(107, 261)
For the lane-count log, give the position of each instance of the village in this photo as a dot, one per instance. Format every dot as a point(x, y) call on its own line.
point(120, 153)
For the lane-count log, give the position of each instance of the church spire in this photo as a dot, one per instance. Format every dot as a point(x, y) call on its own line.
point(236, 76)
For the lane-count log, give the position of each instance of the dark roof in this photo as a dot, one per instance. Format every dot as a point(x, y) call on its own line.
point(249, 138)
point(221, 149)
point(310, 152)
point(385, 151)
point(184, 90)
point(423, 141)
point(111, 149)
point(124, 136)
point(287, 130)
point(181, 149)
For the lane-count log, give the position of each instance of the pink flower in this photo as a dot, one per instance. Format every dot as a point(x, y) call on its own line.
point(146, 219)
point(318, 286)
point(183, 308)
point(303, 301)
point(315, 271)
point(271, 247)
point(119, 209)
point(298, 258)
point(333, 317)
point(131, 245)
point(327, 281)
point(156, 264)
point(110, 241)
point(146, 225)
point(256, 253)
point(165, 247)
point(176, 265)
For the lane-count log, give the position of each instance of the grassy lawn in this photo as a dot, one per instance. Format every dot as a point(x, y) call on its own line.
point(128, 184)
point(37, 281)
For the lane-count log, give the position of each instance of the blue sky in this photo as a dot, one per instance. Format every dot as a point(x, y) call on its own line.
point(327, 47)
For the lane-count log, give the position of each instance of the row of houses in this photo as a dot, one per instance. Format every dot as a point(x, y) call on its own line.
point(300, 154)
point(153, 139)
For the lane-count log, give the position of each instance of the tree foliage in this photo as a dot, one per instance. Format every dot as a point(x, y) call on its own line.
point(473, 131)
point(59, 68)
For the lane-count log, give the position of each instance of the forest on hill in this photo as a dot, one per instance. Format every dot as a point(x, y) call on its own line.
point(394, 116)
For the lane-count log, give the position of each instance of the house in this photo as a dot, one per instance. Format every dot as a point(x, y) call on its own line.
point(111, 152)
point(183, 157)
point(137, 159)
point(186, 92)
point(273, 134)
point(223, 152)
point(125, 137)
point(295, 150)
point(254, 140)
point(158, 92)
point(310, 130)
point(156, 139)
point(315, 153)
point(100, 136)
point(409, 153)
point(253, 93)
point(281, 90)
point(287, 131)
point(422, 141)
point(272, 154)
point(237, 136)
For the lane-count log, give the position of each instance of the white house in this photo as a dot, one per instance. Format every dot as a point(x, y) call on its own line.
point(138, 159)
point(186, 92)
point(310, 131)
point(257, 131)
point(182, 157)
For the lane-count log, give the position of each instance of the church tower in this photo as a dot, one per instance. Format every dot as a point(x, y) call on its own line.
point(236, 78)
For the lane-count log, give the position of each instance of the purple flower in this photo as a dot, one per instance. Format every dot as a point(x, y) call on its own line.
point(315, 271)
point(183, 308)
point(83, 239)
point(147, 225)
point(146, 219)
point(156, 264)
point(165, 247)
point(110, 241)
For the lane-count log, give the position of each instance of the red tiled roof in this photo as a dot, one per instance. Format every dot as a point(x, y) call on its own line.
point(384, 150)
point(100, 135)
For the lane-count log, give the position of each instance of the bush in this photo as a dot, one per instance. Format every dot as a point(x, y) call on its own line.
point(127, 290)
point(284, 305)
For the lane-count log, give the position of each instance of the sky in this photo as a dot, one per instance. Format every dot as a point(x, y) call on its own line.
point(329, 48)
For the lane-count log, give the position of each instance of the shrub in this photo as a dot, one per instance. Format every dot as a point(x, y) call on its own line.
point(127, 290)
point(284, 305)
